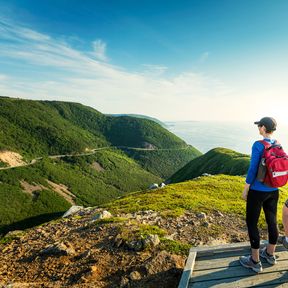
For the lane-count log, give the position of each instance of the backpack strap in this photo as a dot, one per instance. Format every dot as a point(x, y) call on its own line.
point(266, 144)
point(269, 145)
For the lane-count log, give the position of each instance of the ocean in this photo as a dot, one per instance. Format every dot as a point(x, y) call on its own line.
point(233, 135)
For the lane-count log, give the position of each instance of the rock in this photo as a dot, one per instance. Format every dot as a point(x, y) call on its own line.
point(236, 238)
point(103, 215)
point(218, 213)
point(206, 224)
point(151, 240)
point(154, 186)
point(124, 282)
point(85, 254)
point(138, 217)
point(206, 174)
point(170, 237)
point(201, 215)
point(118, 241)
point(73, 210)
point(58, 248)
point(135, 245)
point(164, 261)
point(135, 275)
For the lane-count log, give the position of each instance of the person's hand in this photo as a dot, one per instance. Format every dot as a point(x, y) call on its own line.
point(245, 193)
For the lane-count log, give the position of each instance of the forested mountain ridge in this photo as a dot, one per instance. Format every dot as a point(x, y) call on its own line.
point(38, 129)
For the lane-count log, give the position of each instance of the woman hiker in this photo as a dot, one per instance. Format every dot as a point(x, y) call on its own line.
point(259, 195)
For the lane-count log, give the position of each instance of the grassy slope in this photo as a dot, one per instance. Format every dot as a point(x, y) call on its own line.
point(132, 132)
point(40, 130)
point(204, 194)
point(121, 175)
point(215, 161)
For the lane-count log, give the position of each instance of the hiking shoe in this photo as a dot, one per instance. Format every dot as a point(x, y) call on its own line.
point(247, 262)
point(285, 242)
point(271, 259)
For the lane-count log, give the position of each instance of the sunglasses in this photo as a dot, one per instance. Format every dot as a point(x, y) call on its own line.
point(260, 125)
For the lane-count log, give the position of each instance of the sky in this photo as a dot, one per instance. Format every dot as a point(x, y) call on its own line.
point(212, 60)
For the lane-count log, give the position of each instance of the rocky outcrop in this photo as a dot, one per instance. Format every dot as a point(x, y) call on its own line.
point(82, 250)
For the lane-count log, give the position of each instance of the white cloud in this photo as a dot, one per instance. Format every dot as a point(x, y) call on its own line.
point(155, 70)
point(100, 50)
point(77, 76)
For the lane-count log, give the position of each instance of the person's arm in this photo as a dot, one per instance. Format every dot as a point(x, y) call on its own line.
point(245, 191)
point(257, 151)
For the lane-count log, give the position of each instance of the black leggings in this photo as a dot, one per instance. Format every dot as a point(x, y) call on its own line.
point(255, 201)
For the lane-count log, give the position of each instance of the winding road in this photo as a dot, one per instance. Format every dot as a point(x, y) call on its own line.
point(93, 151)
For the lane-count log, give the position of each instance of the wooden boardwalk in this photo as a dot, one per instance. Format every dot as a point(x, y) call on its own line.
point(218, 266)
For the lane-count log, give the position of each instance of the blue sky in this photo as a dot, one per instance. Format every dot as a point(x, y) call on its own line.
point(175, 60)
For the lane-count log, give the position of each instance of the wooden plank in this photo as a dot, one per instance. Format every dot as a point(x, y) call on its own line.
point(219, 265)
point(231, 260)
point(188, 269)
point(235, 271)
point(202, 250)
point(223, 254)
point(275, 279)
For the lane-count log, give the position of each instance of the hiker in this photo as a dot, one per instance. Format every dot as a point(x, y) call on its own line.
point(285, 224)
point(258, 195)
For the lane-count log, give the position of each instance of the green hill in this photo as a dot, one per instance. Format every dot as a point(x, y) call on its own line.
point(27, 198)
point(215, 161)
point(140, 116)
point(41, 128)
point(34, 128)
point(54, 127)
point(205, 194)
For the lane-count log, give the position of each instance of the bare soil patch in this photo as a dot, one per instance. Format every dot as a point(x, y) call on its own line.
point(63, 191)
point(11, 158)
point(31, 188)
point(95, 165)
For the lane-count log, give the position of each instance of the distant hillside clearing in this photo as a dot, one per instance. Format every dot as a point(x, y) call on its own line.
point(11, 158)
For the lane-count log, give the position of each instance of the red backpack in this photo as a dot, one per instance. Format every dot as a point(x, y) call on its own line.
point(273, 167)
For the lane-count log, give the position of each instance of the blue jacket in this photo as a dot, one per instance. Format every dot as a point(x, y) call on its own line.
point(257, 152)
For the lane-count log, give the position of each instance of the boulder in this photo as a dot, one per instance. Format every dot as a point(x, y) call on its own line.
point(59, 248)
point(164, 261)
point(124, 282)
point(206, 224)
point(206, 174)
point(103, 215)
point(135, 275)
point(135, 245)
point(151, 240)
point(219, 214)
point(201, 215)
point(72, 210)
point(153, 186)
